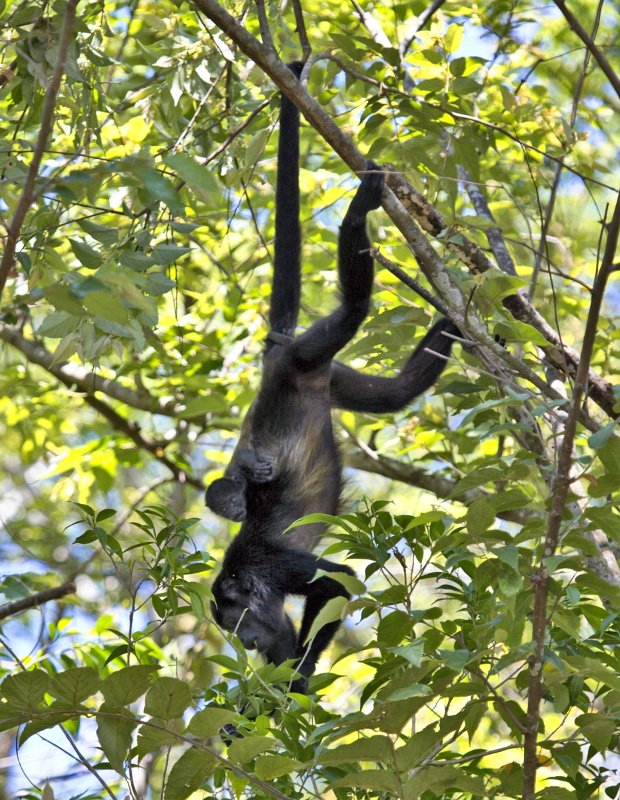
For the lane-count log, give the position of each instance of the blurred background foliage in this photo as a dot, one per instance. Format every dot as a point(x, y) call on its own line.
point(132, 325)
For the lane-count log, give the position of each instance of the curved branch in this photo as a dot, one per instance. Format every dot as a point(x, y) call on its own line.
point(133, 432)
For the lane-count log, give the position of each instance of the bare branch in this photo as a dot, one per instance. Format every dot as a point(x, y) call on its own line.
point(36, 599)
point(561, 484)
point(493, 234)
point(403, 276)
point(47, 113)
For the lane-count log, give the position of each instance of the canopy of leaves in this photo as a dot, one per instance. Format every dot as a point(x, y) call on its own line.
point(137, 160)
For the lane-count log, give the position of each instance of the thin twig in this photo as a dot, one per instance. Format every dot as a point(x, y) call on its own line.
point(542, 245)
point(47, 114)
point(420, 290)
point(265, 30)
point(589, 42)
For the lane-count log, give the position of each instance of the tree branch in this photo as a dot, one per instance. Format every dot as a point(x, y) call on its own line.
point(36, 599)
point(133, 432)
point(561, 484)
point(441, 487)
point(47, 113)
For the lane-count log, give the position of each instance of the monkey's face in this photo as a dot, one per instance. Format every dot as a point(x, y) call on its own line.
point(226, 497)
point(254, 617)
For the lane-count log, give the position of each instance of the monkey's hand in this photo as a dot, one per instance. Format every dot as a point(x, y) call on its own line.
point(257, 466)
point(368, 195)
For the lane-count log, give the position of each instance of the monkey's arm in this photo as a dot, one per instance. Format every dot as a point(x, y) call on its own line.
point(354, 391)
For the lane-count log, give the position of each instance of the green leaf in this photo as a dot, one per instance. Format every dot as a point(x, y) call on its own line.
point(379, 780)
point(103, 234)
point(352, 584)
point(393, 628)
point(269, 767)
point(107, 306)
point(453, 38)
point(406, 692)
point(610, 456)
point(199, 177)
point(25, 690)
point(243, 750)
point(601, 437)
point(479, 518)
point(152, 736)
point(439, 779)
point(331, 611)
point(85, 254)
point(167, 698)
point(58, 324)
point(166, 254)
point(509, 555)
point(114, 734)
point(209, 721)
point(156, 188)
point(128, 684)
point(188, 774)
point(412, 652)
point(454, 659)
point(74, 685)
point(370, 748)
point(256, 146)
point(598, 730)
point(417, 748)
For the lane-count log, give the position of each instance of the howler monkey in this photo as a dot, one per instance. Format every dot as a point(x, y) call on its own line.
point(286, 464)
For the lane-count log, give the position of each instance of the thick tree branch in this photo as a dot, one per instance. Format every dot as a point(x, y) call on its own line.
point(561, 485)
point(36, 599)
point(404, 199)
point(47, 113)
point(589, 42)
point(559, 354)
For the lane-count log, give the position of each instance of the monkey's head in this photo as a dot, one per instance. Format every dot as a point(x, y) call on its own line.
point(244, 605)
point(226, 497)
